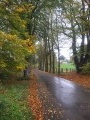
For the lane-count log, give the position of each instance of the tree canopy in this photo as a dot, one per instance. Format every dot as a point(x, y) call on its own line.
point(15, 41)
point(22, 22)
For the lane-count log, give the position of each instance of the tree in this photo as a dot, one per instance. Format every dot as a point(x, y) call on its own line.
point(79, 20)
point(15, 41)
point(74, 24)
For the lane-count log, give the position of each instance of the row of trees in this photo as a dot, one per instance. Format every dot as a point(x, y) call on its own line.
point(68, 18)
point(19, 28)
point(51, 24)
point(77, 13)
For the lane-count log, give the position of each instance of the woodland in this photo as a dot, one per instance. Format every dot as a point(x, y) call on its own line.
point(32, 34)
point(32, 30)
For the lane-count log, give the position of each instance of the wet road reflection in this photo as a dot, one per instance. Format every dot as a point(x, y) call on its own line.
point(74, 98)
point(65, 91)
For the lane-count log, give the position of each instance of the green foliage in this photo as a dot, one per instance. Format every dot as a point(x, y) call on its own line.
point(13, 103)
point(15, 41)
point(12, 53)
point(67, 66)
point(86, 68)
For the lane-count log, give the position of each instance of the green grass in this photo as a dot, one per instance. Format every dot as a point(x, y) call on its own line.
point(13, 102)
point(67, 66)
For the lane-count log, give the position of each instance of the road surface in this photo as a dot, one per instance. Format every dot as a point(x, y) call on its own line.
point(74, 99)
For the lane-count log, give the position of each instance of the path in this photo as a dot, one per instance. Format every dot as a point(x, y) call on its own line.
point(74, 99)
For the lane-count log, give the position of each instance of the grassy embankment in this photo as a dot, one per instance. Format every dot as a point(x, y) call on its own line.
point(67, 66)
point(13, 101)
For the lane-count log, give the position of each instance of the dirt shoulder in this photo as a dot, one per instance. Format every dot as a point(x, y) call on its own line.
point(83, 80)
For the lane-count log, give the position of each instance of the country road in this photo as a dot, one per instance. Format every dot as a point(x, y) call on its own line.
point(74, 99)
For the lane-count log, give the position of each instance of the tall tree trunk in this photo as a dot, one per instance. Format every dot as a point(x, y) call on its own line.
point(58, 46)
point(58, 61)
point(85, 58)
point(49, 51)
point(46, 57)
point(82, 47)
point(88, 34)
point(75, 57)
point(53, 56)
point(50, 57)
point(52, 40)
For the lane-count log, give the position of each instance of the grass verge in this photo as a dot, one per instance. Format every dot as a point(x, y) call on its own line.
point(13, 101)
point(67, 66)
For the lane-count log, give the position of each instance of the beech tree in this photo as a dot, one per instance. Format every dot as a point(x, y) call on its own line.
point(15, 41)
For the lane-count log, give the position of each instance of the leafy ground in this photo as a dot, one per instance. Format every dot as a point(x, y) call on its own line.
point(17, 99)
point(42, 102)
point(34, 100)
point(13, 101)
point(83, 80)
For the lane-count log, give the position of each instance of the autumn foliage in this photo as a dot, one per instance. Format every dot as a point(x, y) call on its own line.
point(34, 100)
point(15, 41)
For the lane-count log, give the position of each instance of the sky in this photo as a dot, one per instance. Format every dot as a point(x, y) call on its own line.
point(66, 51)
point(65, 45)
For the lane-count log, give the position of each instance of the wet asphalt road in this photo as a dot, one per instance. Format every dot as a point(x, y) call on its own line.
point(74, 99)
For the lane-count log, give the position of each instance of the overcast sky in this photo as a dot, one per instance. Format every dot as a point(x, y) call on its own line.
point(66, 51)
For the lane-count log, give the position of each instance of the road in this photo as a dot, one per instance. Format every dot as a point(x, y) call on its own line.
point(74, 98)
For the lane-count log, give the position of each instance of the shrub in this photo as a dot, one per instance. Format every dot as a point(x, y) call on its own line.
point(86, 68)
